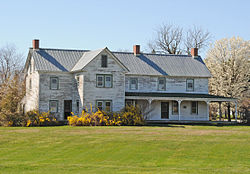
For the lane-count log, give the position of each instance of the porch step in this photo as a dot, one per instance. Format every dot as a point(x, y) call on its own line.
point(192, 122)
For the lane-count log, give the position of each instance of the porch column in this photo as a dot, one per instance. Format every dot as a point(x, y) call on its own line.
point(149, 107)
point(207, 109)
point(179, 109)
point(236, 111)
point(220, 112)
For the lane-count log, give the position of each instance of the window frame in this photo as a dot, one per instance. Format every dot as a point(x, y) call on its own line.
point(175, 113)
point(196, 109)
point(104, 104)
point(187, 82)
point(51, 83)
point(56, 105)
point(164, 79)
point(130, 83)
point(77, 80)
point(104, 80)
point(104, 61)
point(77, 106)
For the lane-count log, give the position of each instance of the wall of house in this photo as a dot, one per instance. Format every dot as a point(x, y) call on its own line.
point(155, 114)
point(31, 97)
point(65, 91)
point(93, 93)
point(173, 85)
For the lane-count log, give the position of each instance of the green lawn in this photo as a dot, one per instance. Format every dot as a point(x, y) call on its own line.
point(173, 149)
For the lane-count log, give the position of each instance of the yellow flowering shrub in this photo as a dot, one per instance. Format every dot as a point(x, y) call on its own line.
point(130, 115)
point(35, 118)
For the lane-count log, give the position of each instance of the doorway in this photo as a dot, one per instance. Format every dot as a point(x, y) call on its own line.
point(165, 110)
point(67, 108)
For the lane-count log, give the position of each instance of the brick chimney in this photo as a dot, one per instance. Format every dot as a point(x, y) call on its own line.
point(194, 52)
point(35, 44)
point(136, 50)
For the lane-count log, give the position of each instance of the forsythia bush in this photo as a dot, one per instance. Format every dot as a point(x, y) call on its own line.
point(130, 115)
point(34, 118)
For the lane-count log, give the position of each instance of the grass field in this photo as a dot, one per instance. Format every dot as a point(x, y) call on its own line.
point(173, 149)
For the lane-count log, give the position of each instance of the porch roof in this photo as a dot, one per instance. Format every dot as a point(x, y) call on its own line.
point(176, 96)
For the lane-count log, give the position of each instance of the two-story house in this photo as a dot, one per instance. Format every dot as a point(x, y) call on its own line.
point(166, 87)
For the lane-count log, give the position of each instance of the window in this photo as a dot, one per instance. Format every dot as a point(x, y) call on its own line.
point(104, 81)
point(53, 106)
point(104, 105)
point(54, 83)
point(104, 61)
point(77, 106)
point(108, 106)
point(194, 107)
point(77, 80)
point(175, 108)
point(133, 83)
point(108, 81)
point(161, 83)
point(100, 81)
point(30, 84)
point(190, 84)
point(99, 105)
point(131, 102)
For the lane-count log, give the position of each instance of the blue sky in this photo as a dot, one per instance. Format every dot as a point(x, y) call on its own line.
point(116, 24)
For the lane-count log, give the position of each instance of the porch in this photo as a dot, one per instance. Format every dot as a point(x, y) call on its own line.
point(166, 107)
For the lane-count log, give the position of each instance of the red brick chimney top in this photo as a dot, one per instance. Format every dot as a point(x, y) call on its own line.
point(194, 52)
point(136, 50)
point(35, 44)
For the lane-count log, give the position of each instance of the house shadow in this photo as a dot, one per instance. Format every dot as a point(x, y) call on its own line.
point(152, 64)
point(52, 60)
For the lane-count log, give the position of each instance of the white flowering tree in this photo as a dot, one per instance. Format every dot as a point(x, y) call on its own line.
point(228, 60)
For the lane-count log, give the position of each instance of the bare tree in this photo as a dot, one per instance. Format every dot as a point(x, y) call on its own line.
point(196, 37)
point(229, 62)
point(168, 40)
point(10, 62)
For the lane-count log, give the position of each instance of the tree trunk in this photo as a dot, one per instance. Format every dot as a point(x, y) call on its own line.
point(228, 112)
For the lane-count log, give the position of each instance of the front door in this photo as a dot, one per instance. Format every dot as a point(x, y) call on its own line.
point(164, 110)
point(67, 108)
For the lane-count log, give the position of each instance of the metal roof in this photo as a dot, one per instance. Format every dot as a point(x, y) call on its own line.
point(159, 64)
point(56, 59)
point(144, 64)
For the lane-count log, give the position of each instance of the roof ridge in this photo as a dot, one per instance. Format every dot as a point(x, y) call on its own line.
point(156, 54)
point(62, 49)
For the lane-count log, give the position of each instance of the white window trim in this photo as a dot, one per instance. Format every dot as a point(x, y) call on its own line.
point(187, 81)
point(130, 83)
point(159, 78)
point(51, 83)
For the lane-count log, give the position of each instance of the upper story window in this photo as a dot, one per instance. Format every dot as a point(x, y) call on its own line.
point(190, 84)
point(133, 83)
point(194, 107)
point(77, 80)
point(104, 81)
point(161, 83)
point(53, 106)
point(54, 83)
point(104, 61)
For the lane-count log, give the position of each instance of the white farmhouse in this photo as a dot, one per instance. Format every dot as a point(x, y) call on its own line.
point(166, 87)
